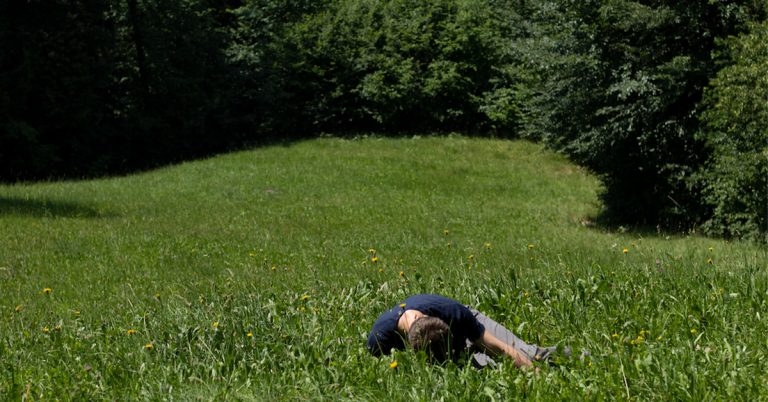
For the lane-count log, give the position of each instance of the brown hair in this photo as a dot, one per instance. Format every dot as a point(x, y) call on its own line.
point(430, 334)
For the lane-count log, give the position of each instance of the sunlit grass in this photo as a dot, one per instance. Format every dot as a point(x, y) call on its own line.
point(257, 275)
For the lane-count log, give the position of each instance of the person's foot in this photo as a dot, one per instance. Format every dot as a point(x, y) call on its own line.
point(553, 353)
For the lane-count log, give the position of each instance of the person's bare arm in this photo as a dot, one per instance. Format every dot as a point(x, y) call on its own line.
point(495, 347)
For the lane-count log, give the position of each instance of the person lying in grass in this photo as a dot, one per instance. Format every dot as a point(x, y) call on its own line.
point(444, 328)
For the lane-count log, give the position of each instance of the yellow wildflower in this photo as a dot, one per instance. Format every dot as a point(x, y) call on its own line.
point(471, 257)
point(381, 270)
point(402, 274)
point(614, 336)
point(249, 334)
point(393, 365)
point(149, 346)
point(625, 251)
point(304, 297)
point(374, 259)
point(274, 268)
point(131, 331)
point(372, 250)
point(47, 290)
point(215, 324)
point(711, 249)
point(445, 232)
point(531, 246)
point(694, 331)
point(710, 261)
point(46, 330)
point(18, 309)
point(57, 328)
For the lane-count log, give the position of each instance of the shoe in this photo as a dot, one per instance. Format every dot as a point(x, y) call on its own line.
point(554, 353)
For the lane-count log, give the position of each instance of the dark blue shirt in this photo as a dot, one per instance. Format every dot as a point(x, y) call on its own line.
point(463, 324)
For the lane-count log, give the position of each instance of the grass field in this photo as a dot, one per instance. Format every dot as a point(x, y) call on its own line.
point(256, 276)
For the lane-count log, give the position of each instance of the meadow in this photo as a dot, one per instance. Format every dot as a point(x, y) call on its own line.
point(256, 275)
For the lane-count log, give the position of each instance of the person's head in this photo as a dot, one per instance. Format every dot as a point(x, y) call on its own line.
point(430, 334)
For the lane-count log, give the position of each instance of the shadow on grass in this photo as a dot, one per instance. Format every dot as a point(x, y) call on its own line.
point(47, 208)
point(604, 224)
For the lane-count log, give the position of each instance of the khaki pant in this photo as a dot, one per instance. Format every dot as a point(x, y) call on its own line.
point(533, 352)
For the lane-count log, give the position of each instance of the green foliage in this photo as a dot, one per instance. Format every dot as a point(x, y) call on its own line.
point(184, 257)
point(735, 180)
point(398, 65)
point(622, 81)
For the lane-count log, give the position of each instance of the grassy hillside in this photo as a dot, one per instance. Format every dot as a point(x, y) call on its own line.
point(257, 275)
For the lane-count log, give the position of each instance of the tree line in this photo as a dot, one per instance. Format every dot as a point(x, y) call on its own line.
point(666, 101)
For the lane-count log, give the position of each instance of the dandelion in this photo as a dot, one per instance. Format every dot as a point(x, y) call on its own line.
point(694, 331)
point(304, 297)
point(393, 365)
point(625, 251)
point(488, 246)
point(531, 246)
point(149, 346)
point(525, 294)
point(402, 274)
point(658, 338)
point(274, 268)
point(76, 313)
point(47, 290)
point(381, 270)
point(711, 249)
point(710, 261)
point(374, 259)
point(471, 257)
point(46, 330)
point(249, 334)
point(157, 296)
point(131, 332)
point(372, 250)
point(18, 309)
point(615, 336)
point(57, 328)
point(215, 324)
point(445, 232)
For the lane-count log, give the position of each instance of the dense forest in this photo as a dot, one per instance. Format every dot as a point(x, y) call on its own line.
point(666, 101)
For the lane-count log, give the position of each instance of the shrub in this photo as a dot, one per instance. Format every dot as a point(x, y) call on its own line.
point(736, 128)
point(402, 65)
point(621, 95)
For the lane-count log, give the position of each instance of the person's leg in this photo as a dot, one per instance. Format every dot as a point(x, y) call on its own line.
point(533, 352)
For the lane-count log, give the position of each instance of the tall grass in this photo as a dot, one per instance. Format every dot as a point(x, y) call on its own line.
point(256, 276)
